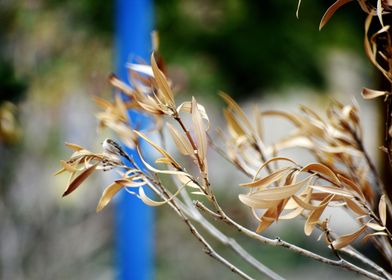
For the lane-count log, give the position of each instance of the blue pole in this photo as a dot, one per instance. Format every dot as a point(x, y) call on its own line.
point(134, 220)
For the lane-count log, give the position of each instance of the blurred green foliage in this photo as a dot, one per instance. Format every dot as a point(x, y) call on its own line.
point(96, 17)
point(251, 45)
point(11, 86)
point(236, 46)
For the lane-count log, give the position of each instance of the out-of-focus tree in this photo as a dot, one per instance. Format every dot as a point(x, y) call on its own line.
point(243, 39)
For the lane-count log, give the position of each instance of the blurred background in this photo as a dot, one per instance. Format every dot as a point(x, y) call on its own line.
point(56, 55)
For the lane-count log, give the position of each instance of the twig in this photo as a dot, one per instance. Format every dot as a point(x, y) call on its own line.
point(207, 247)
point(232, 243)
point(277, 242)
point(204, 208)
point(373, 169)
point(274, 242)
point(349, 250)
point(358, 256)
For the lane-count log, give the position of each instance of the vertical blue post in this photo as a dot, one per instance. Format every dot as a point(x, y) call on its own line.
point(134, 220)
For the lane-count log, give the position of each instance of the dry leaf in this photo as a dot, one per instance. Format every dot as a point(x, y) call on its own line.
point(344, 240)
point(74, 147)
point(351, 185)
point(322, 169)
point(270, 161)
point(267, 180)
point(79, 179)
point(332, 190)
point(187, 107)
point(315, 215)
point(159, 149)
point(271, 215)
point(253, 202)
point(108, 194)
point(355, 207)
point(382, 210)
point(303, 204)
point(379, 10)
point(159, 171)
point(371, 93)
point(379, 233)
point(280, 192)
point(162, 82)
point(234, 127)
point(186, 180)
point(150, 202)
point(375, 226)
point(199, 130)
point(236, 109)
point(120, 85)
point(331, 10)
point(182, 143)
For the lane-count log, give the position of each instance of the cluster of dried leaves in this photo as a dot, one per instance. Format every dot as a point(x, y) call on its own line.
point(342, 175)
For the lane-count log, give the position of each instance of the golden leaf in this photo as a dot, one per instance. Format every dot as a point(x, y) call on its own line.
point(253, 202)
point(162, 83)
point(332, 190)
point(103, 103)
point(271, 215)
point(150, 202)
point(382, 210)
point(371, 93)
point(236, 109)
point(323, 169)
point(315, 215)
point(182, 143)
point(234, 127)
point(297, 121)
point(303, 204)
point(375, 226)
point(120, 85)
point(379, 10)
point(74, 147)
point(270, 161)
point(199, 130)
point(187, 181)
point(68, 167)
point(293, 214)
point(108, 194)
point(355, 207)
point(153, 169)
point(269, 179)
point(187, 107)
point(79, 179)
point(159, 149)
point(351, 185)
point(280, 192)
point(379, 233)
point(344, 240)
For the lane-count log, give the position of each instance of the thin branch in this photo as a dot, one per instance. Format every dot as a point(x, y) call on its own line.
point(204, 208)
point(349, 250)
point(358, 256)
point(379, 184)
point(277, 242)
point(274, 242)
point(207, 247)
point(194, 214)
